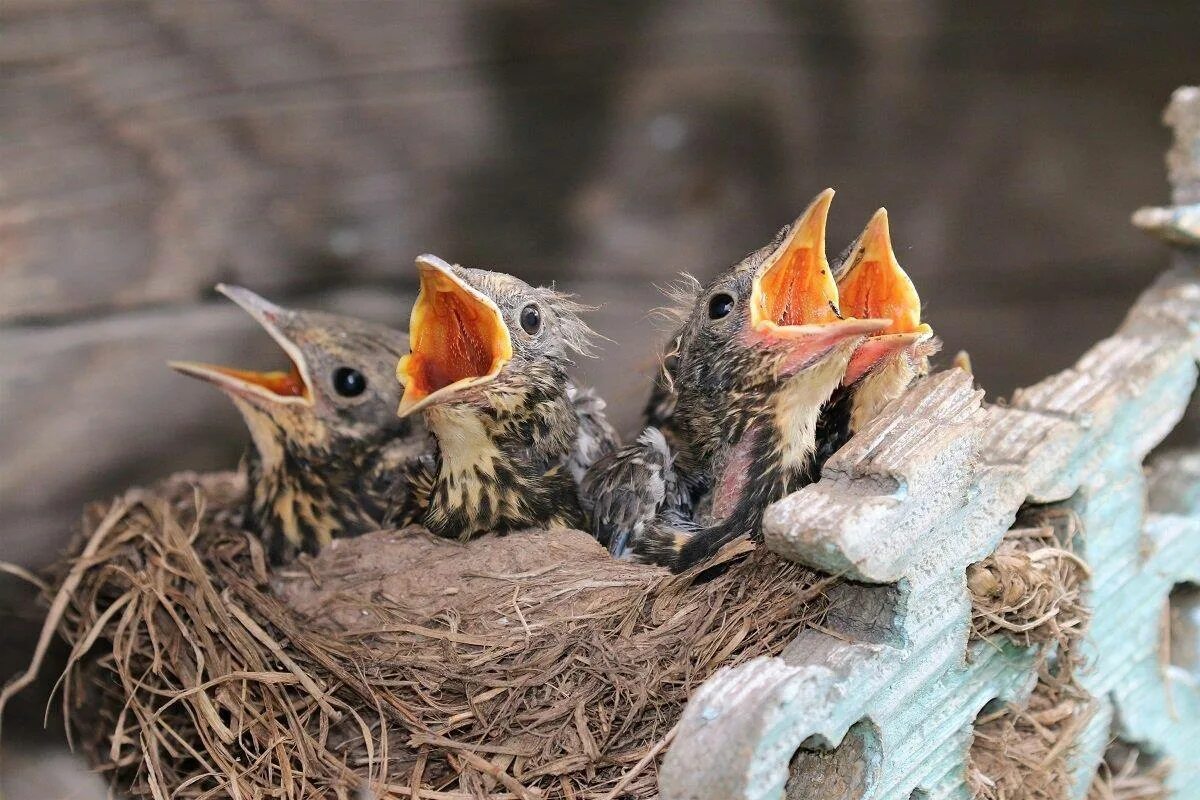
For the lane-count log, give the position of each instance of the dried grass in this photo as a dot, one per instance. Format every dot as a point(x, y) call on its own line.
point(1030, 592)
point(1124, 776)
point(1030, 589)
point(191, 677)
point(1020, 752)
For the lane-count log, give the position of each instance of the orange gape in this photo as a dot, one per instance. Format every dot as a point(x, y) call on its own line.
point(877, 288)
point(454, 340)
point(284, 384)
point(873, 293)
point(797, 288)
point(795, 291)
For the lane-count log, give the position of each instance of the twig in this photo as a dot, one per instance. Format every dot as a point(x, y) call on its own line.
point(25, 575)
point(59, 606)
point(488, 768)
point(637, 768)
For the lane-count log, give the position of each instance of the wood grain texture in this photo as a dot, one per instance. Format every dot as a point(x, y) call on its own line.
point(151, 148)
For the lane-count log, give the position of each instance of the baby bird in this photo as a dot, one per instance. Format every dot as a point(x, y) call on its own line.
point(734, 422)
point(329, 458)
point(488, 371)
point(871, 283)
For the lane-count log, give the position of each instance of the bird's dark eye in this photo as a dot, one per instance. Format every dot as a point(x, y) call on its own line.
point(531, 319)
point(720, 305)
point(349, 382)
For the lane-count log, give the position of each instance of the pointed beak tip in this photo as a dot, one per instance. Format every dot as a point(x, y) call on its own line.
point(253, 304)
point(428, 261)
point(192, 369)
point(820, 206)
point(869, 326)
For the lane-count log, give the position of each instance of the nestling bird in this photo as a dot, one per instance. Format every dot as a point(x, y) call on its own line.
point(329, 458)
point(872, 284)
point(760, 350)
point(488, 370)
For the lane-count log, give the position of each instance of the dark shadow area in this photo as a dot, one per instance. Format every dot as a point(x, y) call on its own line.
point(866, 613)
point(1129, 773)
point(828, 773)
point(1183, 628)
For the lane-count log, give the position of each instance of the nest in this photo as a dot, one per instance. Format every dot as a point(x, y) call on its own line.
point(526, 666)
point(1020, 751)
point(1030, 591)
point(1125, 775)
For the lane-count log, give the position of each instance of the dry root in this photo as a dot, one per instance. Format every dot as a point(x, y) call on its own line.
point(1123, 775)
point(395, 664)
point(1030, 591)
point(1020, 752)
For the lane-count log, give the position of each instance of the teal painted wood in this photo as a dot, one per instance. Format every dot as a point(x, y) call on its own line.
point(929, 488)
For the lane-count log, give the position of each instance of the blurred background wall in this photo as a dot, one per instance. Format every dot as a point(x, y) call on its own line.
point(309, 149)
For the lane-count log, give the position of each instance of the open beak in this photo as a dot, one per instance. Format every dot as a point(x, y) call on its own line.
point(458, 339)
point(874, 285)
point(289, 386)
point(794, 299)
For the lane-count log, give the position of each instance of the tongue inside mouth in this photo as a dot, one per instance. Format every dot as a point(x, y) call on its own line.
point(453, 344)
point(457, 337)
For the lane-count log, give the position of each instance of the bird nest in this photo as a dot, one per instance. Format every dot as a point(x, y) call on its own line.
point(524, 666)
point(1030, 591)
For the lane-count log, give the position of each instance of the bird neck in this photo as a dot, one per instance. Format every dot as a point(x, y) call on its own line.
point(797, 410)
point(303, 496)
point(879, 387)
point(771, 451)
point(503, 467)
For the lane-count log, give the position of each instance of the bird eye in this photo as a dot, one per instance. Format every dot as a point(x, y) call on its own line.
point(531, 319)
point(349, 382)
point(720, 305)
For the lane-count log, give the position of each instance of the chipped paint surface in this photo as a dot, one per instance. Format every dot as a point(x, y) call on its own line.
point(891, 703)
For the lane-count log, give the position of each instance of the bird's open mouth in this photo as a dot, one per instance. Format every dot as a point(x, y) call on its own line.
point(277, 386)
point(457, 335)
point(874, 285)
point(794, 299)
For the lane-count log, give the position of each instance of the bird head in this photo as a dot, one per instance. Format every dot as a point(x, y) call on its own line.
point(770, 318)
point(337, 390)
point(871, 283)
point(486, 339)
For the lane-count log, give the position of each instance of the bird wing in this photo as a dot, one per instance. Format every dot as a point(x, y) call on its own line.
point(596, 437)
point(627, 489)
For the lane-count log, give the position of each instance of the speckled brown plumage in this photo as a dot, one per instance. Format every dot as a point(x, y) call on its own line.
point(734, 414)
point(329, 457)
point(511, 446)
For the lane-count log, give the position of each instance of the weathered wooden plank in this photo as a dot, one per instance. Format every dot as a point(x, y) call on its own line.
point(153, 149)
